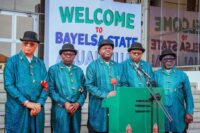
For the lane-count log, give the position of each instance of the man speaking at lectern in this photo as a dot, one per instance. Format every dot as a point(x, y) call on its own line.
point(178, 98)
point(135, 71)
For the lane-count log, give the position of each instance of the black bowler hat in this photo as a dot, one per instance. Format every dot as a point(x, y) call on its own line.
point(136, 46)
point(68, 47)
point(30, 36)
point(105, 42)
point(166, 52)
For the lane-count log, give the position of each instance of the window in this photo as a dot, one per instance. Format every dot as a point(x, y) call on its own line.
point(20, 5)
point(6, 25)
point(13, 25)
point(174, 24)
point(17, 16)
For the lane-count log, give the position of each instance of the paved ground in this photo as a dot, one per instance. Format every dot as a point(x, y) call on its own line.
point(84, 129)
point(194, 131)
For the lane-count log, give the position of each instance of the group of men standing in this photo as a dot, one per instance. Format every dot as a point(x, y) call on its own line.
point(28, 85)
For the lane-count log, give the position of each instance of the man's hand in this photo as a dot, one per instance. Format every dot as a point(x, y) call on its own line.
point(74, 107)
point(71, 107)
point(33, 112)
point(68, 106)
point(112, 93)
point(188, 118)
point(35, 108)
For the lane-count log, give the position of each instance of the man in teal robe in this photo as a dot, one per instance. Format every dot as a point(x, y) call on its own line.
point(178, 99)
point(26, 96)
point(102, 79)
point(135, 71)
point(67, 91)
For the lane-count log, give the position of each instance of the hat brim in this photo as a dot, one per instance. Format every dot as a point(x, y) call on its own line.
point(161, 56)
point(142, 49)
point(62, 50)
point(112, 45)
point(28, 39)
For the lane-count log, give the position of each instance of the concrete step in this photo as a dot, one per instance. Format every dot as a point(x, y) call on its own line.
point(84, 119)
point(194, 131)
point(2, 118)
point(1, 76)
point(2, 88)
point(196, 92)
point(84, 129)
point(197, 106)
point(194, 85)
point(197, 99)
point(3, 97)
point(2, 107)
point(47, 106)
point(196, 120)
point(85, 108)
point(196, 114)
point(194, 126)
point(196, 109)
point(47, 129)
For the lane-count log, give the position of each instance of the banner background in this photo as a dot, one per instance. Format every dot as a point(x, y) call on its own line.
point(85, 36)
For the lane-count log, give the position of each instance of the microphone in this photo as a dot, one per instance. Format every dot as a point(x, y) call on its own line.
point(114, 82)
point(137, 70)
point(145, 73)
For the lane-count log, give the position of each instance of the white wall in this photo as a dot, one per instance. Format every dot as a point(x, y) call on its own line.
point(194, 77)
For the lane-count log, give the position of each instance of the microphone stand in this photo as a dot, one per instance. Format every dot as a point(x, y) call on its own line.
point(154, 96)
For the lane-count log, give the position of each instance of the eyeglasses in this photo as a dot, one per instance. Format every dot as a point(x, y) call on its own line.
point(136, 53)
point(168, 59)
point(68, 53)
point(29, 44)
